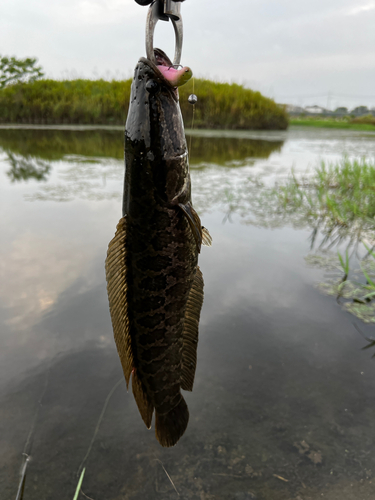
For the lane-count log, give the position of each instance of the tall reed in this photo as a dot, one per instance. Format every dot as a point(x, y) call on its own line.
point(220, 105)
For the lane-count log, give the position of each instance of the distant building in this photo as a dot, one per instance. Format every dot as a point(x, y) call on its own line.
point(291, 109)
point(339, 112)
point(316, 110)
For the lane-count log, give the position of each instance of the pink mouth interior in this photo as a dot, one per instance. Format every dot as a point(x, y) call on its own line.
point(175, 77)
point(170, 73)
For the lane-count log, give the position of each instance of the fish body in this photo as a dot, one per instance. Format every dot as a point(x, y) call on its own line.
point(155, 286)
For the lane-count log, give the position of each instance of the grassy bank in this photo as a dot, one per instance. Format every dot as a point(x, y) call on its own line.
point(220, 105)
point(342, 123)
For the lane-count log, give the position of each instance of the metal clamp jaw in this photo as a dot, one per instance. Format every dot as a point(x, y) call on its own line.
point(164, 10)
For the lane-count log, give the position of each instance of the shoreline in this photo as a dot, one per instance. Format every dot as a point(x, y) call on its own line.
point(295, 125)
point(322, 123)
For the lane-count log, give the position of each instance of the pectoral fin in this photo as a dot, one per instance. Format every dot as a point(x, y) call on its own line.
point(195, 223)
point(206, 237)
point(190, 332)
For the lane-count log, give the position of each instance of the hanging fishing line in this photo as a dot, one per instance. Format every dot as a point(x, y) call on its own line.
point(98, 424)
point(192, 100)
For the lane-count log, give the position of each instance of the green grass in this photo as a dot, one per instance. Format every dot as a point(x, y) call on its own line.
point(364, 120)
point(220, 105)
point(336, 200)
point(344, 263)
point(340, 123)
point(78, 489)
point(230, 106)
point(340, 194)
point(76, 101)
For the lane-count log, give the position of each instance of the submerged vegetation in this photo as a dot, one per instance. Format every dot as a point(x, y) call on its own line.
point(350, 279)
point(220, 105)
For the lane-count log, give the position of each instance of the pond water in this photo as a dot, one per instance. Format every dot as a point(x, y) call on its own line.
point(283, 404)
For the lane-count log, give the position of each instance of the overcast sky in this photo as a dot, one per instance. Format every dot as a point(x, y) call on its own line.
point(316, 52)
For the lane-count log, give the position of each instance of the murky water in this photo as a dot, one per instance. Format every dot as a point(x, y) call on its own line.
point(283, 405)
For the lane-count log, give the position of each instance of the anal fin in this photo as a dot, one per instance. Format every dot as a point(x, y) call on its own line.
point(190, 332)
point(145, 407)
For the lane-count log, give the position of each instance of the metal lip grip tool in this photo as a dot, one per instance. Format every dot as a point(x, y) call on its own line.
point(164, 10)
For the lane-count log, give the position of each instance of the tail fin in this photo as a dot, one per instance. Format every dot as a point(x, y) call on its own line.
point(170, 426)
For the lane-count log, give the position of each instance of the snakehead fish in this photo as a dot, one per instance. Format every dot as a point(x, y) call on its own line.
point(154, 284)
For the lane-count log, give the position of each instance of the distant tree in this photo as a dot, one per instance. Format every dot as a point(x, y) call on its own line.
point(14, 70)
point(342, 110)
point(360, 110)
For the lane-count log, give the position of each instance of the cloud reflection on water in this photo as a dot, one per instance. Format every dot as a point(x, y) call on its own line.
point(36, 269)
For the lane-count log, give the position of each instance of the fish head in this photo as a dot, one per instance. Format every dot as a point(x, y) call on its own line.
point(154, 129)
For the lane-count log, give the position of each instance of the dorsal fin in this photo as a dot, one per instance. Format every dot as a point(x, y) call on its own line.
point(190, 332)
point(116, 273)
point(115, 268)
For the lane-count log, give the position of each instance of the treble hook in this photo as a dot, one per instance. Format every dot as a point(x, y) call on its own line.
point(164, 10)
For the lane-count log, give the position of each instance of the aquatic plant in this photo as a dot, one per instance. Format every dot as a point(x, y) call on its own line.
point(220, 105)
point(344, 264)
point(370, 286)
point(355, 291)
point(338, 199)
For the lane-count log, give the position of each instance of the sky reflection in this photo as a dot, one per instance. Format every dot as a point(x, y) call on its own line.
point(278, 363)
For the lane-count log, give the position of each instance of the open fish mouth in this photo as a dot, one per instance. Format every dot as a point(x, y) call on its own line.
point(175, 76)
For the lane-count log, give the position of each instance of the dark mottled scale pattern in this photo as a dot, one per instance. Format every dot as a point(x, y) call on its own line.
point(162, 254)
point(155, 287)
point(163, 310)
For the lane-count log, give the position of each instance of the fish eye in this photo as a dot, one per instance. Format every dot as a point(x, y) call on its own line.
point(152, 86)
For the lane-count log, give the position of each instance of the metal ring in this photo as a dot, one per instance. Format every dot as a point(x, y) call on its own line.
point(153, 17)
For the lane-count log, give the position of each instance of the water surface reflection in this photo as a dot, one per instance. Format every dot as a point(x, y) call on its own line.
point(283, 403)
